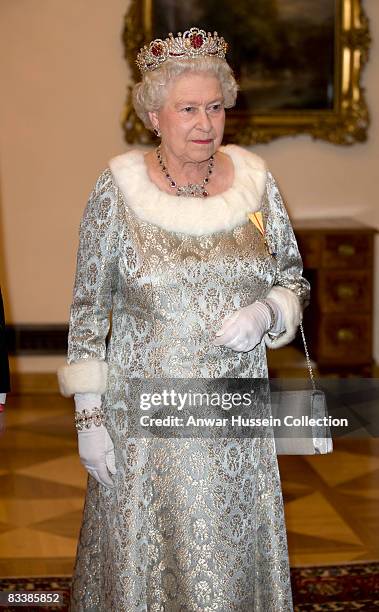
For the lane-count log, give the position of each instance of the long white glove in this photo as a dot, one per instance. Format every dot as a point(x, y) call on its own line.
point(245, 328)
point(96, 449)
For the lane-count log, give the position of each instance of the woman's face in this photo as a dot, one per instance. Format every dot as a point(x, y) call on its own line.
point(192, 118)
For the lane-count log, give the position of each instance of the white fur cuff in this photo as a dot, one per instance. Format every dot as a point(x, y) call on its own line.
point(289, 304)
point(86, 376)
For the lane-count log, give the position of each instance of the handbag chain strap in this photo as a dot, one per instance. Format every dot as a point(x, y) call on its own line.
point(307, 357)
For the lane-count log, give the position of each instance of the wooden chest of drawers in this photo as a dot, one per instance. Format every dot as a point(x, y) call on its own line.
point(338, 257)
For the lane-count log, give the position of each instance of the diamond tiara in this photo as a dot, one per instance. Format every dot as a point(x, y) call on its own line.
point(192, 43)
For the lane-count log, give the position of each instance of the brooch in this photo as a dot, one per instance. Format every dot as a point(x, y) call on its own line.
point(257, 219)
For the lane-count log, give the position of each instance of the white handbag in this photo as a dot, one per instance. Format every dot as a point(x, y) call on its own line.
point(301, 407)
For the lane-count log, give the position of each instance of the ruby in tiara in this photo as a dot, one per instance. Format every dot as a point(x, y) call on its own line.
point(157, 50)
point(196, 41)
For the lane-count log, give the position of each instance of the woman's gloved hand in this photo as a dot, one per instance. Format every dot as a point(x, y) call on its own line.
point(96, 449)
point(245, 328)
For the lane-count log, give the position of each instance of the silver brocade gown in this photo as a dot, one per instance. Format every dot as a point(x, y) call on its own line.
point(193, 524)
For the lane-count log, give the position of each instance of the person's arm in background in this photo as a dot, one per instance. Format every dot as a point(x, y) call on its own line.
point(4, 363)
point(85, 375)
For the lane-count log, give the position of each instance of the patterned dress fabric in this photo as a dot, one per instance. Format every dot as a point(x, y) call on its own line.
point(191, 524)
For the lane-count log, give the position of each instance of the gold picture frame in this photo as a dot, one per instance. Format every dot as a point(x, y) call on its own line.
point(344, 122)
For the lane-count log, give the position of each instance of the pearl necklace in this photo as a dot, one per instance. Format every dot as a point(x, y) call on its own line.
point(195, 190)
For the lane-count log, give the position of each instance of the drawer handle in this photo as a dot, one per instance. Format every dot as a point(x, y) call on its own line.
point(346, 249)
point(345, 334)
point(345, 291)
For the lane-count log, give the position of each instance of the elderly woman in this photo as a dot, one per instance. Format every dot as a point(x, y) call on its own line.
point(196, 290)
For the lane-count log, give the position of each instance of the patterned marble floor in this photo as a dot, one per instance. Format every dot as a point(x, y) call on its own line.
point(331, 502)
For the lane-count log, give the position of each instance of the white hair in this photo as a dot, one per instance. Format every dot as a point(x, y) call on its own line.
point(150, 93)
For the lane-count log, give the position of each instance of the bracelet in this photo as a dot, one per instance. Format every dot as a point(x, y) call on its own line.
point(272, 313)
point(85, 418)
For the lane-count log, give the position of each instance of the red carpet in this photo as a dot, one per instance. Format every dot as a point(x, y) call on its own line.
point(336, 588)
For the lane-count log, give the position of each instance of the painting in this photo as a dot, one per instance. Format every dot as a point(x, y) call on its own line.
point(298, 63)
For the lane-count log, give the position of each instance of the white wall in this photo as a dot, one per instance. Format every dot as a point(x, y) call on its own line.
point(64, 80)
point(65, 77)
